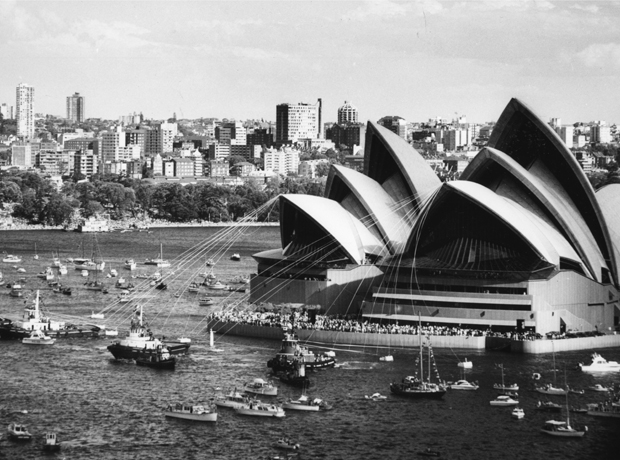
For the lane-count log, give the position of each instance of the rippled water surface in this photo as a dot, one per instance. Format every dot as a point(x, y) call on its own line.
point(102, 409)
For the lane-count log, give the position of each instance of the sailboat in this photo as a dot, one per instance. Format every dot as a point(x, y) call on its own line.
point(551, 389)
point(158, 261)
point(36, 256)
point(416, 386)
point(503, 386)
point(94, 264)
point(562, 428)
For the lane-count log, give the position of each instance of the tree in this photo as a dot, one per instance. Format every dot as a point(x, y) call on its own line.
point(322, 169)
point(9, 193)
point(57, 210)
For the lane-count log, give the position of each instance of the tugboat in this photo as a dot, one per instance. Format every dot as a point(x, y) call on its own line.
point(34, 320)
point(296, 377)
point(161, 359)
point(417, 386)
point(291, 350)
point(141, 343)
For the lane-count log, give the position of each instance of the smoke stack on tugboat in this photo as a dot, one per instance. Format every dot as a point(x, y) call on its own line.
point(141, 343)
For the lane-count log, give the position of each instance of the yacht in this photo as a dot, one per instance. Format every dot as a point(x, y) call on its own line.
point(463, 385)
point(518, 413)
point(504, 400)
point(600, 364)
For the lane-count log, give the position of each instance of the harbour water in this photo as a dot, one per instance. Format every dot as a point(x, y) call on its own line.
point(102, 409)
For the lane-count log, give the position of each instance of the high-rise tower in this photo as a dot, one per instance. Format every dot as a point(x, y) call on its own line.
point(24, 113)
point(298, 121)
point(75, 108)
point(347, 113)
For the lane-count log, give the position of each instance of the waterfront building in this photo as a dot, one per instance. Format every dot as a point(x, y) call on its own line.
point(76, 108)
point(520, 242)
point(297, 121)
point(347, 114)
point(396, 124)
point(24, 113)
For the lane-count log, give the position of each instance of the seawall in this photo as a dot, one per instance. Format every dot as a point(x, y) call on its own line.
point(356, 339)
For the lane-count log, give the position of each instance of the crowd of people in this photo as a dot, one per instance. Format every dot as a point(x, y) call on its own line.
point(351, 323)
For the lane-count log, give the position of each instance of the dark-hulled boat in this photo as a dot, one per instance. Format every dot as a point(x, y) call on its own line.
point(291, 351)
point(161, 359)
point(33, 320)
point(141, 343)
point(297, 377)
point(417, 386)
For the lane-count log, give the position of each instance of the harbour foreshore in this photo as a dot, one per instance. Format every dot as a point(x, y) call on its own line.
point(394, 341)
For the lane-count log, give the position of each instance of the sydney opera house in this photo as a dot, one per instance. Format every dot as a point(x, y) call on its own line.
point(520, 242)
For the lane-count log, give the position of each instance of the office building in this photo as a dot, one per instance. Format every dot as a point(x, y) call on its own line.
point(347, 114)
point(24, 111)
point(297, 121)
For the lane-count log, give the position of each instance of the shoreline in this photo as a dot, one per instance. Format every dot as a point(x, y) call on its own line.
point(150, 225)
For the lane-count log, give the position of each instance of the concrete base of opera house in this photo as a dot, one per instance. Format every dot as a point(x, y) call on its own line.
point(394, 341)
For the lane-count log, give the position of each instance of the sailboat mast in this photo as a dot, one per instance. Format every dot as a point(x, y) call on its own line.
point(420, 338)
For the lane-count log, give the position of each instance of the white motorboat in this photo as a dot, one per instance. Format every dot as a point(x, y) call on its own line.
point(193, 287)
point(503, 401)
point(38, 337)
point(376, 397)
point(62, 269)
point(18, 432)
point(599, 387)
point(111, 332)
point(195, 413)
point(600, 364)
point(518, 413)
point(463, 385)
point(236, 257)
point(549, 389)
point(285, 443)
point(11, 259)
point(465, 364)
point(562, 429)
point(205, 302)
point(306, 404)
point(261, 387)
point(386, 358)
point(217, 286)
point(260, 409)
point(94, 315)
point(232, 399)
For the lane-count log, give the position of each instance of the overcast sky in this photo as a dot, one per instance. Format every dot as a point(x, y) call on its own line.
point(239, 59)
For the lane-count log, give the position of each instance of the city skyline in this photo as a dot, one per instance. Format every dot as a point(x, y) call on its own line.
point(417, 60)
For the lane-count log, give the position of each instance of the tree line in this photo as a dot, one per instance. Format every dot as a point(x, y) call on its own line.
point(38, 201)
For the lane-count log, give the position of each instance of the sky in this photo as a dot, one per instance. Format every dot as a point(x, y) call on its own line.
point(238, 59)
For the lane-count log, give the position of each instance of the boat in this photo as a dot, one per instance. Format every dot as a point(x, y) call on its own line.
point(416, 386)
point(287, 444)
point(428, 453)
point(90, 265)
point(576, 391)
point(124, 296)
point(304, 403)
point(18, 432)
point(502, 386)
point(562, 429)
point(518, 413)
point(21, 270)
point(259, 409)
point(159, 360)
point(600, 364)
point(604, 409)
point(193, 287)
point(141, 342)
point(38, 337)
point(113, 273)
point(35, 256)
point(94, 285)
point(16, 290)
point(111, 332)
point(232, 399)
point(259, 386)
point(549, 389)
point(194, 413)
point(59, 289)
point(47, 274)
point(51, 443)
point(599, 387)
point(130, 264)
point(376, 397)
point(465, 364)
point(33, 319)
point(579, 410)
point(62, 269)
point(11, 259)
point(504, 400)
point(218, 286)
point(236, 257)
point(158, 261)
point(296, 377)
point(291, 350)
point(205, 302)
point(386, 358)
point(548, 406)
point(84, 273)
point(94, 315)
point(463, 385)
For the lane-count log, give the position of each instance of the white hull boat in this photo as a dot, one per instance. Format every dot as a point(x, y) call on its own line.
point(259, 409)
point(504, 401)
point(600, 364)
point(306, 404)
point(463, 385)
point(195, 413)
point(261, 387)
